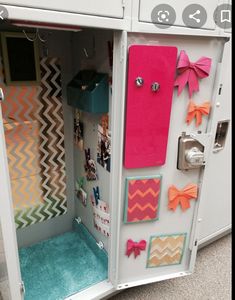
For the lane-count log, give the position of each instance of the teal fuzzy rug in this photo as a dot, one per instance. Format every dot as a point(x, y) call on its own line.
point(63, 265)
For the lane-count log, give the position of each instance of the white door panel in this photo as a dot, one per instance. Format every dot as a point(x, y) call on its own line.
point(131, 271)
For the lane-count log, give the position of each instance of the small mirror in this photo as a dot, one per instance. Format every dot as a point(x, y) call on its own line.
point(21, 59)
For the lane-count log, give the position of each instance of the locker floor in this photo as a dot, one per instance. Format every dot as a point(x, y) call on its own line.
point(63, 265)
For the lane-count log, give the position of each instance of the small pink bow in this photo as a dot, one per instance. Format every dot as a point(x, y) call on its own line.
point(135, 247)
point(190, 72)
point(196, 111)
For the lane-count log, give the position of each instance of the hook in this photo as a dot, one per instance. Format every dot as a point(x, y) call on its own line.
point(40, 38)
point(93, 49)
point(29, 39)
point(37, 35)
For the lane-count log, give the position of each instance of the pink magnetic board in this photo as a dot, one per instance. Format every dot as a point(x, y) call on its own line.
point(148, 111)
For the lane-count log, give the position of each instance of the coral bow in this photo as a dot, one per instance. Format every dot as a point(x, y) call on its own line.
point(197, 111)
point(181, 197)
point(135, 247)
point(190, 72)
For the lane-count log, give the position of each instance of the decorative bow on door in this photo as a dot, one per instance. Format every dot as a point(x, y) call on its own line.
point(135, 247)
point(196, 111)
point(190, 72)
point(181, 197)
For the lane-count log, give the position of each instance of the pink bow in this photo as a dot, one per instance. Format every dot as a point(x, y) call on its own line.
point(135, 247)
point(190, 72)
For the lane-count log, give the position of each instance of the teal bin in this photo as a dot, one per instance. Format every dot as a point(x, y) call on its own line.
point(89, 91)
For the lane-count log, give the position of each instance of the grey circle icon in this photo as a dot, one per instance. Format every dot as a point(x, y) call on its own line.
point(223, 16)
point(194, 16)
point(163, 16)
point(3, 13)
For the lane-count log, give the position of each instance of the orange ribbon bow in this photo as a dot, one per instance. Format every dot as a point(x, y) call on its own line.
point(181, 197)
point(196, 111)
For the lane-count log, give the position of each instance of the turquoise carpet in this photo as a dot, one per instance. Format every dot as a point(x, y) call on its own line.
point(61, 266)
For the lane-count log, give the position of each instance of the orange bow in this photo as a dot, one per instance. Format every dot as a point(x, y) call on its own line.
point(197, 111)
point(181, 197)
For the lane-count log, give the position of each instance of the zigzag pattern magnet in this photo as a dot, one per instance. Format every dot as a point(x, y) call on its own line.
point(142, 199)
point(34, 131)
point(166, 250)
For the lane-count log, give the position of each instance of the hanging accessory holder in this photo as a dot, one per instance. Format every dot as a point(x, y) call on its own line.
point(89, 91)
point(189, 72)
point(196, 111)
point(135, 247)
point(101, 216)
point(181, 197)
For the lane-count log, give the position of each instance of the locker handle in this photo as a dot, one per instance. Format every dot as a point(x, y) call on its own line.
point(220, 136)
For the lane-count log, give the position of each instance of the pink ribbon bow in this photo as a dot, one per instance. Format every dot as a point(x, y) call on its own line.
point(135, 247)
point(190, 72)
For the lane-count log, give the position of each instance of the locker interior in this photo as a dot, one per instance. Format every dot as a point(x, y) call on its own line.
point(63, 234)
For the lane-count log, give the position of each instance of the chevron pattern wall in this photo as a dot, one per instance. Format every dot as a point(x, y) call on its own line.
point(142, 199)
point(166, 250)
point(34, 131)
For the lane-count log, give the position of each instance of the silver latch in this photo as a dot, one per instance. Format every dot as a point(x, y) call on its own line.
point(1, 95)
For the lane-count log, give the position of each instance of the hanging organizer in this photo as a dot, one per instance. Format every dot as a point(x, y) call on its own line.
point(89, 91)
point(101, 216)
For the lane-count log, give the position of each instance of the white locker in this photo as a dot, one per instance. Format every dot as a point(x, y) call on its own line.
point(216, 191)
point(80, 221)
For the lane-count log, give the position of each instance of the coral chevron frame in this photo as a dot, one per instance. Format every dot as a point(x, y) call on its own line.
point(150, 194)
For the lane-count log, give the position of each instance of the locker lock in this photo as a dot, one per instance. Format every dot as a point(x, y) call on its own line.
point(191, 153)
point(139, 81)
point(195, 157)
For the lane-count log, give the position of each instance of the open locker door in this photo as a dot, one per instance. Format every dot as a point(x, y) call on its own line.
point(158, 213)
point(7, 220)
